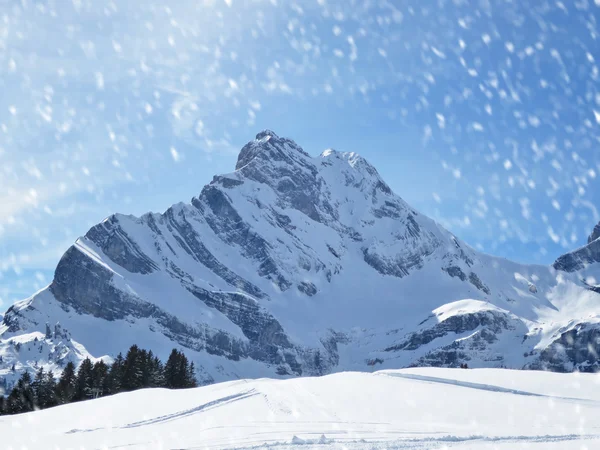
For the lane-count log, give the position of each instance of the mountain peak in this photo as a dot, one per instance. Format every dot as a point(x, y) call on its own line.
point(582, 257)
point(595, 234)
point(268, 146)
point(266, 134)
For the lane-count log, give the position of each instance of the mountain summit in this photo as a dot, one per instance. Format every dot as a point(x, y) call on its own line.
point(297, 265)
point(269, 146)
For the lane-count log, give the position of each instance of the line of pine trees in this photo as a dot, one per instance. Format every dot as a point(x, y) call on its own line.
point(139, 369)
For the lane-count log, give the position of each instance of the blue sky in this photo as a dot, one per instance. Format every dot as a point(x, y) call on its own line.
point(483, 114)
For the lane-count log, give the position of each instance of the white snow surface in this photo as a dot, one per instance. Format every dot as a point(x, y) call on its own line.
point(422, 408)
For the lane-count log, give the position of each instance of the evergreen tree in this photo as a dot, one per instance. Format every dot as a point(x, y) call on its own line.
point(182, 373)
point(100, 383)
point(84, 381)
point(172, 370)
point(25, 383)
point(65, 388)
point(38, 386)
point(178, 372)
point(133, 371)
point(21, 398)
point(15, 402)
point(146, 359)
point(157, 378)
point(49, 390)
point(191, 376)
point(115, 375)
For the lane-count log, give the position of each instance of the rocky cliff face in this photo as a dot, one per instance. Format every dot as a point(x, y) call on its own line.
point(581, 258)
point(297, 265)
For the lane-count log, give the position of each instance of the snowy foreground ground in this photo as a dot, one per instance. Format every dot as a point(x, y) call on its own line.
point(412, 408)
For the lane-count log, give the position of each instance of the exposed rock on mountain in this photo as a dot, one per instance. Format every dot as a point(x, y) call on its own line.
point(581, 258)
point(595, 234)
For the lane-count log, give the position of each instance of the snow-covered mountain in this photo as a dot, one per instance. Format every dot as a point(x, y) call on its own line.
point(422, 408)
point(297, 265)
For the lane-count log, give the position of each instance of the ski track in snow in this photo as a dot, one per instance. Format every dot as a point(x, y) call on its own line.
point(484, 387)
point(210, 405)
point(181, 414)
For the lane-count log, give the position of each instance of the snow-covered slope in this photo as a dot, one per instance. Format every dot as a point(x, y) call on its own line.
point(413, 408)
point(297, 265)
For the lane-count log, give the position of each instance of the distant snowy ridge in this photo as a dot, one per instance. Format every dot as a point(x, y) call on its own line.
point(296, 265)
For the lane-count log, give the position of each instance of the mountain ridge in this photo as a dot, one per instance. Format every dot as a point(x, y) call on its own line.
point(297, 265)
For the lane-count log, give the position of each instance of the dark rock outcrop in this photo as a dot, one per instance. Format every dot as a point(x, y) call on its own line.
point(574, 349)
point(595, 234)
point(492, 322)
